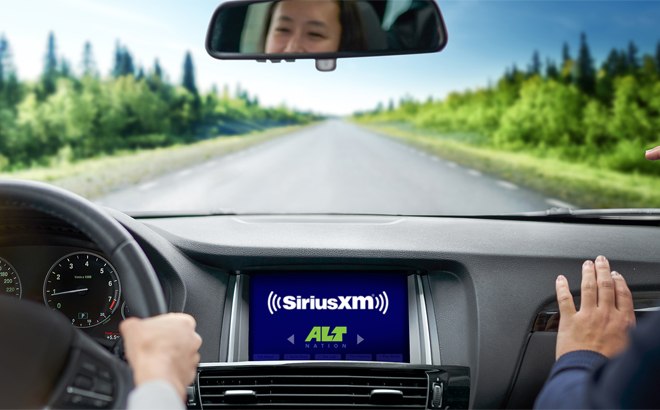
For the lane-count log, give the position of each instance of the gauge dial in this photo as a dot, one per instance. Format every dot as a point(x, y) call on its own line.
point(85, 287)
point(10, 283)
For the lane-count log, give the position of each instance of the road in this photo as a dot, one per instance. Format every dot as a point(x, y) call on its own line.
point(333, 167)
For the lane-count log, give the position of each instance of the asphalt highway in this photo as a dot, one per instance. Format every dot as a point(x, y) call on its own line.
point(332, 167)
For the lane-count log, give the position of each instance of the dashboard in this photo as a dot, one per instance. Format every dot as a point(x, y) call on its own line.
point(369, 311)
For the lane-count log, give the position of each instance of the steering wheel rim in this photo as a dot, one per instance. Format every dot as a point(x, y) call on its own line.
point(80, 357)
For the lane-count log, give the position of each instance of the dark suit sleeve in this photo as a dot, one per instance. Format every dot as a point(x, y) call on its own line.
point(588, 380)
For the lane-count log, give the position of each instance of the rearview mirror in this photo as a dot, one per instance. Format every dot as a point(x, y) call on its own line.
point(324, 29)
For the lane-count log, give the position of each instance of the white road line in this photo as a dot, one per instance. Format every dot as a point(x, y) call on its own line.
point(507, 185)
point(183, 173)
point(558, 203)
point(474, 173)
point(451, 164)
point(210, 164)
point(435, 159)
point(148, 185)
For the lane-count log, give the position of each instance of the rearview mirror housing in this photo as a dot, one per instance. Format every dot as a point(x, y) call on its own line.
point(324, 30)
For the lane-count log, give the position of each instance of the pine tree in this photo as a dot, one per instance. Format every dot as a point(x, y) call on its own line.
point(88, 64)
point(585, 74)
point(140, 74)
point(535, 66)
point(49, 76)
point(4, 49)
point(189, 74)
point(126, 66)
point(632, 58)
point(551, 70)
point(565, 54)
point(117, 65)
point(657, 56)
point(158, 71)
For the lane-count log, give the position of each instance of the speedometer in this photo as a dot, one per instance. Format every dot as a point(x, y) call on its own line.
point(10, 283)
point(85, 287)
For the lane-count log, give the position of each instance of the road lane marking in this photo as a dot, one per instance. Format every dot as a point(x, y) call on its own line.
point(148, 185)
point(451, 164)
point(559, 204)
point(183, 173)
point(435, 159)
point(507, 185)
point(474, 173)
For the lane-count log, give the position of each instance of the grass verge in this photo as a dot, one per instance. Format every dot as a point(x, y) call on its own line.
point(96, 177)
point(578, 184)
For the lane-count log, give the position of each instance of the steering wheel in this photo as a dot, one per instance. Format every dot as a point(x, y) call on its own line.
point(44, 360)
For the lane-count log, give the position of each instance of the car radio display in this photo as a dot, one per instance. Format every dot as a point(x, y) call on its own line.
point(329, 316)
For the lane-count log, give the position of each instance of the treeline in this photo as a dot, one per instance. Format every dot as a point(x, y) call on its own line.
point(66, 115)
point(604, 115)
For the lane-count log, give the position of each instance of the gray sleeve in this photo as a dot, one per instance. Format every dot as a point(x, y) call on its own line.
point(155, 395)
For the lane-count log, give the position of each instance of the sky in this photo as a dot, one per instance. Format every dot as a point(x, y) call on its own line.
point(485, 37)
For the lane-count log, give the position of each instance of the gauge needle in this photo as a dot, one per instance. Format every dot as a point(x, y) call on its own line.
point(69, 291)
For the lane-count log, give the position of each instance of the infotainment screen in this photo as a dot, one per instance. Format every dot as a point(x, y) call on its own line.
point(329, 316)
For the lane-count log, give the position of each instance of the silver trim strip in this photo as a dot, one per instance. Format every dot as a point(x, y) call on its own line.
point(426, 334)
point(233, 321)
point(88, 394)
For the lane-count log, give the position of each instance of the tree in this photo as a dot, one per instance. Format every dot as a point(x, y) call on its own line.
point(632, 58)
point(535, 65)
point(123, 64)
point(657, 56)
point(189, 74)
point(567, 63)
point(49, 76)
point(585, 74)
point(88, 64)
point(551, 70)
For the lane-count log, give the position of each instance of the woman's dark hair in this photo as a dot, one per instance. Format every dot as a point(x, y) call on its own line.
point(352, 33)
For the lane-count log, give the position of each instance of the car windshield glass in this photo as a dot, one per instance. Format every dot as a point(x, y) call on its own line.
point(532, 105)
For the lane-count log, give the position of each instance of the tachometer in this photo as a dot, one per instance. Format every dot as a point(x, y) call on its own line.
point(10, 283)
point(85, 287)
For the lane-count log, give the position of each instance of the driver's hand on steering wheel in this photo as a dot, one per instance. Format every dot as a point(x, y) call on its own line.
point(163, 347)
point(605, 316)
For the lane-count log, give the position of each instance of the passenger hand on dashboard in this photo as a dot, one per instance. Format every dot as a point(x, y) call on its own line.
point(606, 312)
point(163, 347)
point(653, 154)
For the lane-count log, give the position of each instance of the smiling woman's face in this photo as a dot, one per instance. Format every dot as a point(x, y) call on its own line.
point(304, 26)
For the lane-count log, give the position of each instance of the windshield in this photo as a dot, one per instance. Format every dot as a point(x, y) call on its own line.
point(532, 105)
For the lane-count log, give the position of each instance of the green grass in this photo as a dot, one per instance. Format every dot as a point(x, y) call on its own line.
point(579, 184)
point(95, 177)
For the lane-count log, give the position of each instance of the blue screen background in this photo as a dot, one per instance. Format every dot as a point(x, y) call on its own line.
point(385, 336)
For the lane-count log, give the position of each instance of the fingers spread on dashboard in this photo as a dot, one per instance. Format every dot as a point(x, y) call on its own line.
point(605, 283)
point(588, 287)
point(564, 297)
point(624, 299)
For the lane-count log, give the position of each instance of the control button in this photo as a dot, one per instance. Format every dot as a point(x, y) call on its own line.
point(100, 404)
point(83, 382)
point(105, 375)
point(89, 366)
point(103, 387)
point(75, 399)
point(190, 394)
point(436, 398)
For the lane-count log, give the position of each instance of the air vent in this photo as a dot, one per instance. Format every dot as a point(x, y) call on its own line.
point(313, 387)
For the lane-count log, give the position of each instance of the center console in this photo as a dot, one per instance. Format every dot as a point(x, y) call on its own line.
point(329, 338)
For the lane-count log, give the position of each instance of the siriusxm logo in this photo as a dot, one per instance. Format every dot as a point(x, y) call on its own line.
point(378, 302)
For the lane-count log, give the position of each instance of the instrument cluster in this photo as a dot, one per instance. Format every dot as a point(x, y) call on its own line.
point(80, 283)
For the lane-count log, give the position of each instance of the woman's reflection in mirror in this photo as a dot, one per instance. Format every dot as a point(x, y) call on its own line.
point(313, 26)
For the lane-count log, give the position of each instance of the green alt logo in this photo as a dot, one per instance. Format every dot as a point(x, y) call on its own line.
point(323, 334)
